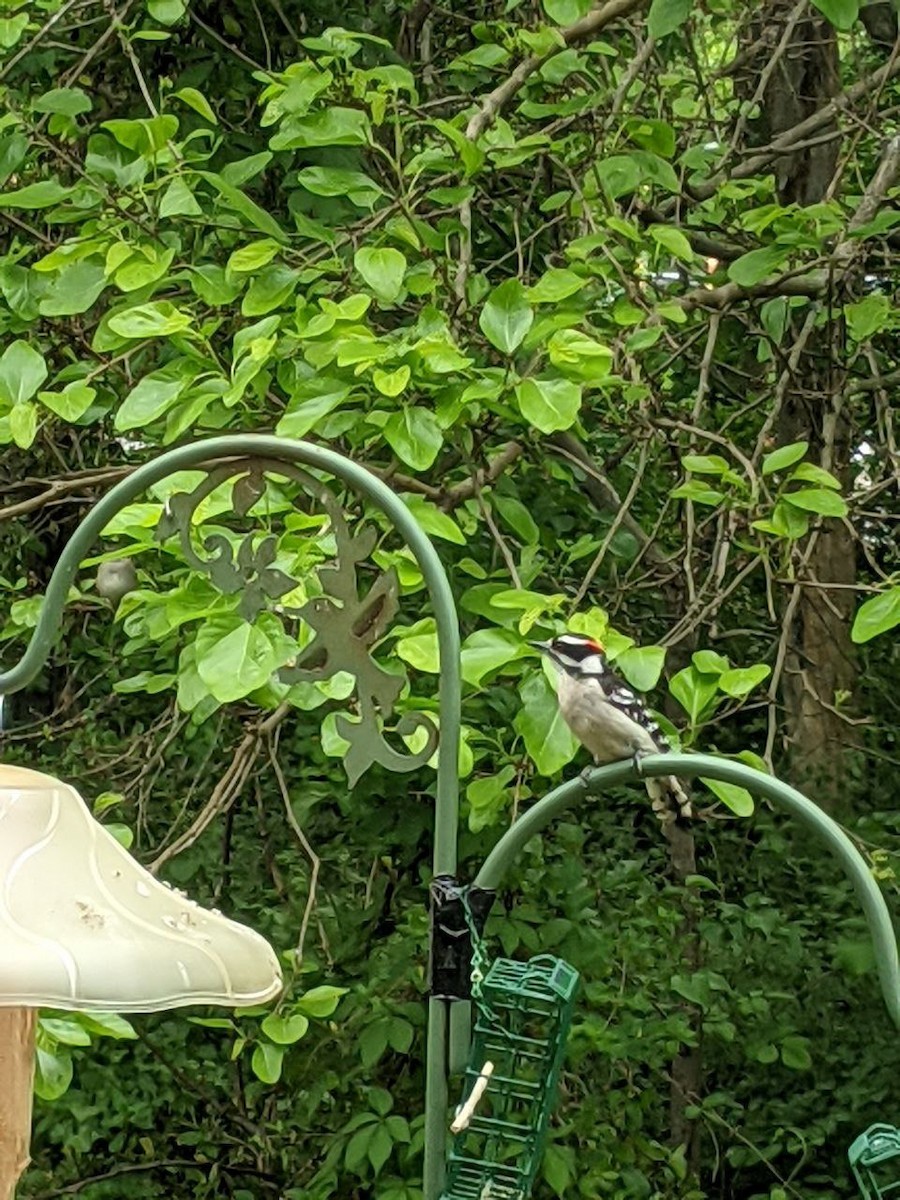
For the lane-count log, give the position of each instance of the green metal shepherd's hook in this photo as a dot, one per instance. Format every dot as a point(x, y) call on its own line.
point(369, 486)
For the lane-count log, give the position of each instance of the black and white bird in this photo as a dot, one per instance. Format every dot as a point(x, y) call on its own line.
point(608, 718)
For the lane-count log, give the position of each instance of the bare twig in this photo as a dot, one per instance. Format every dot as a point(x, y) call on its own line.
point(228, 787)
point(614, 528)
point(314, 861)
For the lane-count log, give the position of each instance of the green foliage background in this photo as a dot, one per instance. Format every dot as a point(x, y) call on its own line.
point(534, 265)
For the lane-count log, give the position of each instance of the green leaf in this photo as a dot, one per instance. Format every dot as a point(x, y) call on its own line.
point(650, 134)
point(549, 404)
point(420, 649)
point(197, 101)
point(741, 680)
point(391, 383)
point(783, 457)
point(284, 1031)
point(233, 658)
point(694, 691)
point(550, 743)
point(373, 1041)
point(332, 126)
point(321, 1001)
point(841, 13)
point(383, 269)
point(666, 16)
point(69, 101)
point(758, 265)
point(566, 12)
point(506, 316)
point(104, 1024)
point(794, 1052)
point(876, 616)
point(154, 395)
point(619, 174)
point(254, 256)
point(868, 316)
point(642, 665)
point(811, 473)
point(738, 799)
point(708, 662)
point(22, 371)
point(52, 1074)
point(555, 285)
point(167, 12)
point(698, 493)
point(358, 188)
point(179, 200)
point(578, 356)
point(159, 318)
point(123, 835)
point(45, 194)
point(434, 521)
point(705, 464)
point(233, 198)
point(270, 289)
point(516, 515)
point(487, 650)
point(818, 500)
point(312, 401)
point(73, 290)
point(267, 1061)
point(11, 29)
point(672, 240)
point(379, 1148)
point(66, 1030)
point(147, 135)
point(414, 434)
point(23, 423)
point(559, 1169)
point(786, 522)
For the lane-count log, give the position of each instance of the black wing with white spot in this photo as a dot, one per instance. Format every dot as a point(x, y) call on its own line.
point(620, 696)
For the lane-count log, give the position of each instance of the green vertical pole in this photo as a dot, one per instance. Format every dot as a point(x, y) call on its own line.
point(436, 1100)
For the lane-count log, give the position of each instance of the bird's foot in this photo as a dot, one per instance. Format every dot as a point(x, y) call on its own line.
point(585, 775)
point(636, 761)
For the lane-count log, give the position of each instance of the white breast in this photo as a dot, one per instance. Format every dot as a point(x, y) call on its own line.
point(604, 729)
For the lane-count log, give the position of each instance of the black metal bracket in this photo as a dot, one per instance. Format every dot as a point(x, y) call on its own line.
point(450, 940)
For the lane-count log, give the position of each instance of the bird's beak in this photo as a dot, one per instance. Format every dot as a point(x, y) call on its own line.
point(542, 646)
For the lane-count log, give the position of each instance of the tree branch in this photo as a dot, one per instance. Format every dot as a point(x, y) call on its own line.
point(596, 20)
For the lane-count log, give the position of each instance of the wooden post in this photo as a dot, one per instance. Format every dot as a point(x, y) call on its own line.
point(17, 1028)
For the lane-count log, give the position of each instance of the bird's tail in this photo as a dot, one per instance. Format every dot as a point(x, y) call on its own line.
point(669, 800)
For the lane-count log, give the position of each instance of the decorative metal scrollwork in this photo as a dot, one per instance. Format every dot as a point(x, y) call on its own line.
point(346, 622)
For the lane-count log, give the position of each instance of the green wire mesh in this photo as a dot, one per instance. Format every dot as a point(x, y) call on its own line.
point(524, 1011)
point(875, 1161)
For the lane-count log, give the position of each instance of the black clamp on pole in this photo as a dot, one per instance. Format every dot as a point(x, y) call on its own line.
point(450, 968)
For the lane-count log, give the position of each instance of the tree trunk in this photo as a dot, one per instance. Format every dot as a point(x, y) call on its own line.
point(17, 1028)
point(819, 666)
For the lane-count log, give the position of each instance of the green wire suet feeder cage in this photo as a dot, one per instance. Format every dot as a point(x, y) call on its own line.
point(875, 1161)
point(524, 1013)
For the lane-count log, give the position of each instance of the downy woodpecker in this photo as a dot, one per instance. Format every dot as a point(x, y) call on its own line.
point(608, 718)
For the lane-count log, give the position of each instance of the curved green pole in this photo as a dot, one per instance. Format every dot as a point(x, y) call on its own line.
point(372, 488)
point(780, 794)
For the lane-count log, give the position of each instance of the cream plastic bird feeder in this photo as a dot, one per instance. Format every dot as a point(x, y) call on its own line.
point(84, 926)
